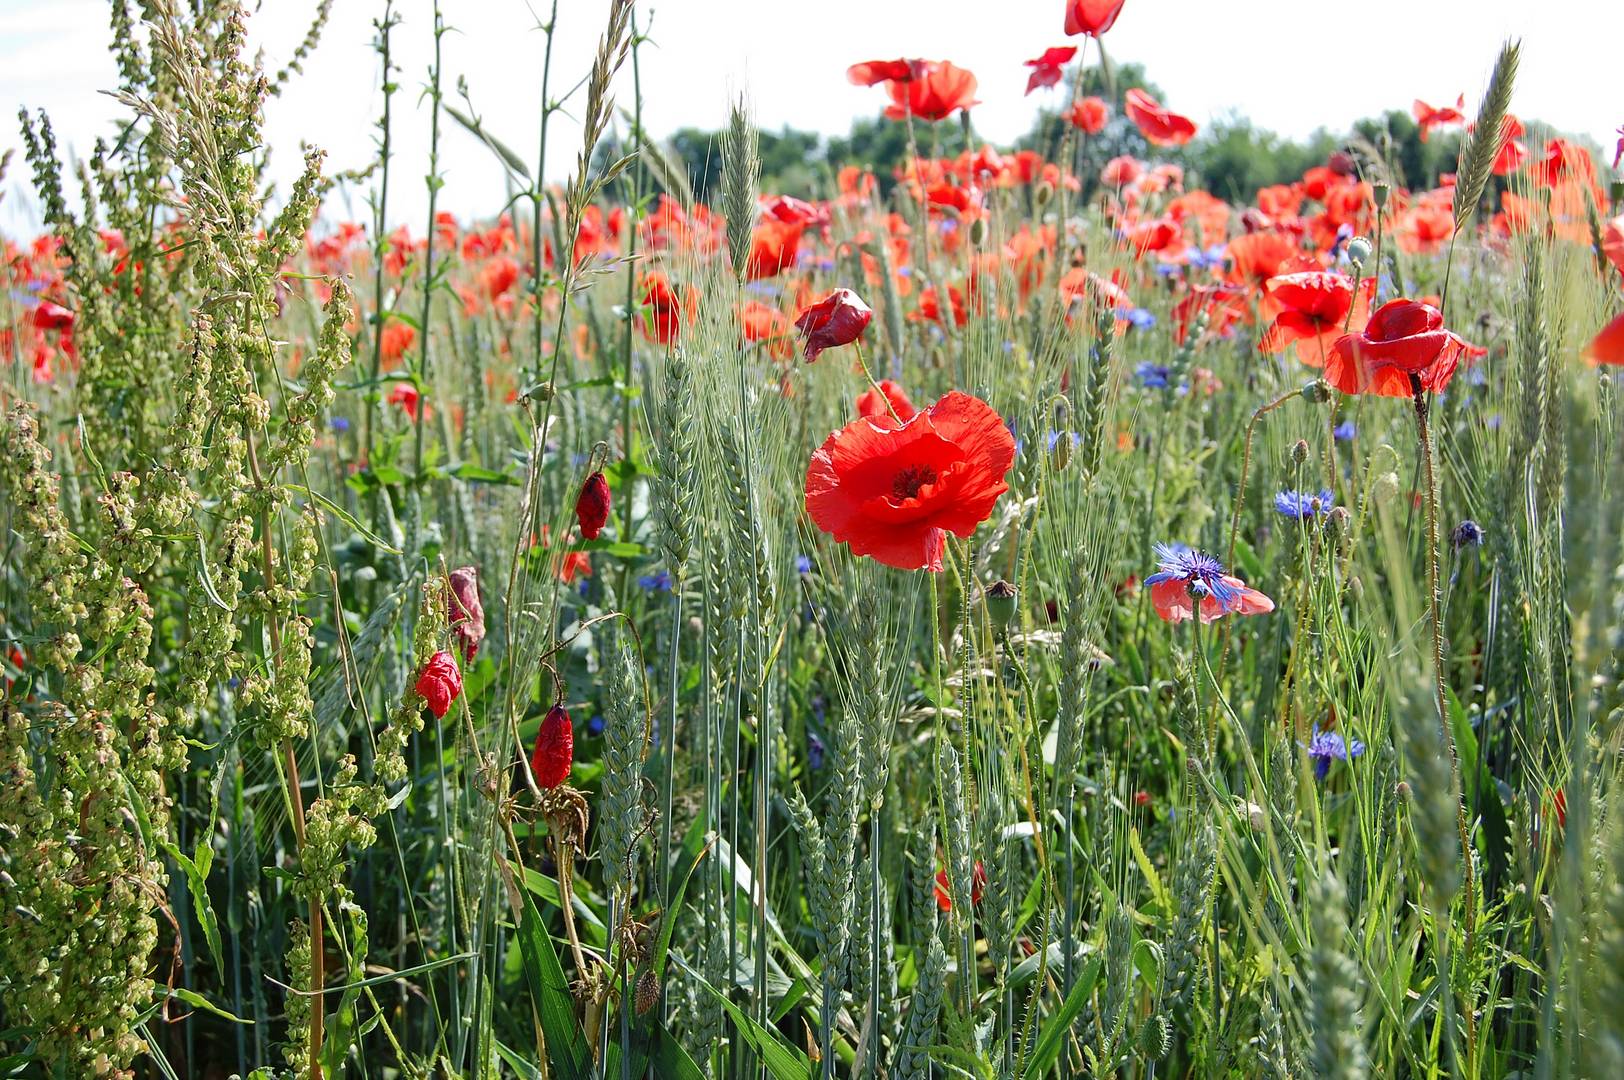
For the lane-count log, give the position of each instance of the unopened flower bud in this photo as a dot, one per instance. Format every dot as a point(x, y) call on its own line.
point(1337, 521)
point(1617, 191)
point(1256, 816)
point(1403, 789)
point(1384, 487)
point(1359, 250)
point(1299, 451)
point(1317, 392)
point(978, 232)
point(1043, 193)
point(1060, 456)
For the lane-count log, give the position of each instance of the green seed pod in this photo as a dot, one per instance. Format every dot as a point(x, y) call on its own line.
point(1359, 250)
point(1000, 600)
point(978, 232)
point(1379, 191)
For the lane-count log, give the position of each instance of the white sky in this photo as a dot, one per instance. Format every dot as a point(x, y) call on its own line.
point(1289, 65)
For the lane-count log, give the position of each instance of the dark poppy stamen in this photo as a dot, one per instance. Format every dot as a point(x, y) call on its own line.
point(907, 483)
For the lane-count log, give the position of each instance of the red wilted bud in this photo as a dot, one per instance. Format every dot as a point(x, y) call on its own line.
point(467, 615)
point(978, 887)
point(592, 507)
point(555, 748)
point(49, 316)
point(838, 319)
point(439, 683)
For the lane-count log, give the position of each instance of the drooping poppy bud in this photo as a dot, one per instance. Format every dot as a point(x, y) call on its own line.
point(439, 683)
point(49, 316)
point(467, 615)
point(592, 507)
point(555, 748)
point(838, 319)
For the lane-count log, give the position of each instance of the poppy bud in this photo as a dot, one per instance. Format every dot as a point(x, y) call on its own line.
point(439, 683)
point(1042, 194)
point(978, 231)
point(1299, 451)
point(838, 319)
point(1359, 250)
point(1256, 816)
point(592, 506)
point(1384, 487)
point(1336, 522)
point(1000, 601)
point(1403, 789)
point(555, 748)
point(1316, 392)
point(1061, 454)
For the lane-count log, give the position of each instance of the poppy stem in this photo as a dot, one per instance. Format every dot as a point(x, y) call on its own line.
point(1435, 603)
point(862, 363)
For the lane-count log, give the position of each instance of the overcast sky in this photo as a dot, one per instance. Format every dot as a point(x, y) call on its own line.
point(1289, 65)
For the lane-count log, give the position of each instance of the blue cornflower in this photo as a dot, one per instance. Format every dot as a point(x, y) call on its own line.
point(1140, 318)
point(1304, 504)
point(660, 582)
point(1054, 438)
point(1467, 533)
point(1201, 573)
point(1345, 431)
point(1323, 746)
point(814, 751)
point(1152, 376)
point(594, 726)
point(803, 564)
point(339, 423)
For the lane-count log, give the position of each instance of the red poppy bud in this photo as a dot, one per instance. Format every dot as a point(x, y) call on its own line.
point(467, 615)
point(439, 683)
point(555, 748)
point(838, 319)
point(592, 507)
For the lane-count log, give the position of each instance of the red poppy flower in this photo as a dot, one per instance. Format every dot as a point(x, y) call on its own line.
point(838, 319)
point(49, 316)
point(1092, 17)
point(1403, 338)
point(439, 683)
point(1090, 114)
point(397, 338)
point(1256, 257)
point(668, 308)
point(406, 396)
point(1607, 347)
point(1315, 306)
point(763, 322)
point(1186, 578)
point(1612, 242)
point(937, 94)
point(874, 72)
point(773, 247)
point(1562, 161)
point(592, 505)
point(1155, 123)
point(883, 402)
point(793, 211)
point(1427, 118)
point(978, 887)
point(1121, 171)
point(1046, 68)
point(892, 491)
point(555, 749)
point(467, 614)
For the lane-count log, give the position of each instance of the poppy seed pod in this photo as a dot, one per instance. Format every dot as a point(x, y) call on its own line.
point(1000, 600)
point(1379, 192)
point(592, 505)
point(1359, 250)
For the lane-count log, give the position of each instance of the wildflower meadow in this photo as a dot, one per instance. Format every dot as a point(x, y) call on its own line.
point(1007, 612)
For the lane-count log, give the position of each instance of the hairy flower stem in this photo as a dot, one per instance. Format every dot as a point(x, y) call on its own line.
point(1435, 600)
point(434, 184)
point(379, 223)
point(536, 200)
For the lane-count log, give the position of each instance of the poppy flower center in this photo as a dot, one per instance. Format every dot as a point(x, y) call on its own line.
point(906, 484)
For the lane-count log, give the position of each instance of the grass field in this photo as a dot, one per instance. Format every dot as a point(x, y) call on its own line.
point(1022, 617)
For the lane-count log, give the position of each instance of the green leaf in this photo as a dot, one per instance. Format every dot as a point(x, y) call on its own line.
point(550, 990)
point(346, 517)
point(498, 147)
point(198, 1001)
point(783, 1061)
point(197, 883)
point(479, 474)
point(1053, 1037)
